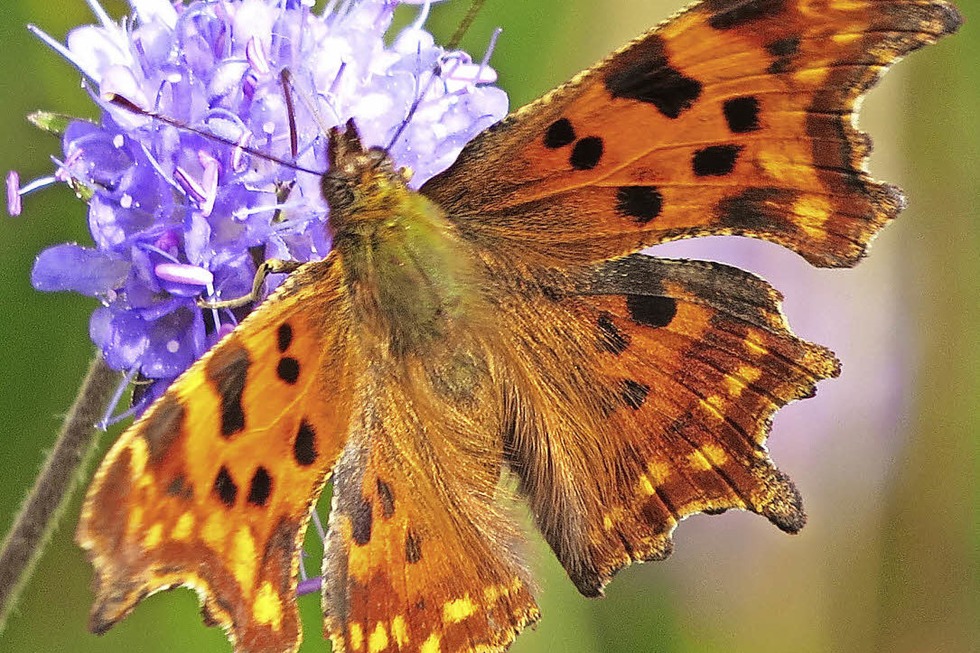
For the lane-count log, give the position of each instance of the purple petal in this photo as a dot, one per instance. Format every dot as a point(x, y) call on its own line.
point(95, 49)
point(83, 270)
point(150, 11)
point(175, 341)
point(122, 336)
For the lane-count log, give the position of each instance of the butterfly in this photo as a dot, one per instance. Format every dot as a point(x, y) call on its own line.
point(498, 324)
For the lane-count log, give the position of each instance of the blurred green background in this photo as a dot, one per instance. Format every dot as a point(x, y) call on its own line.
point(887, 457)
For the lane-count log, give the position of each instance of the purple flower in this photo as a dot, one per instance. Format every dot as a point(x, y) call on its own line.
point(175, 214)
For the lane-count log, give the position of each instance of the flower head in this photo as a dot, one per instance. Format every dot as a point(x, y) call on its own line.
point(175, 213)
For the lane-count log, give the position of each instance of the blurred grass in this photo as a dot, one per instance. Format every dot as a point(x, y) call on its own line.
point(891, 568)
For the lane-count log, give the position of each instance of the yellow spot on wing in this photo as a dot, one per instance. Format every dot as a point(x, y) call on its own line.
point(781, 166)
point(399, 631)
point(754, 347)
point(708, 457)
point(153, 535)
point(356, 636)
point(813, 213)
point(458, 609)
point(749, 374)
point(733, 385)
point(715, 454)
point(215, 531)
point(646, 486)
point(614, 516)
point(135, 522)
point(244, 557)
point(813, 76)
point(659, 472)
point(184, 527)
point(431, 645)
point(492, 592)
point(378, 640)
point(846, 39)
point(736, 383)
point(715, 405)
point(267, 608)
point(697, 461)
point(849, 5)
point(138, 455)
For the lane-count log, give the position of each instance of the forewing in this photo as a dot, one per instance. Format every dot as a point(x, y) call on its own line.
point(733, 117)
point(212, 488)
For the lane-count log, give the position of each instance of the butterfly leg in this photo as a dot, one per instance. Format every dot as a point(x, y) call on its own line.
point(270, 266)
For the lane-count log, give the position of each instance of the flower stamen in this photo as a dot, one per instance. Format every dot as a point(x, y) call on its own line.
point(191, 275)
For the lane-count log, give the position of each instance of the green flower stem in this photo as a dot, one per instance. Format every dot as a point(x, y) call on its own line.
point(55, 484)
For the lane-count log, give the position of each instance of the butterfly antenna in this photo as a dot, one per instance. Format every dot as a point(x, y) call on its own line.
point(124, 103)
point(287, 93)
point(289, 87)
point(411, 111)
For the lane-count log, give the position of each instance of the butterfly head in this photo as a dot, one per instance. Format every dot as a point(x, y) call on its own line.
point(363, 185)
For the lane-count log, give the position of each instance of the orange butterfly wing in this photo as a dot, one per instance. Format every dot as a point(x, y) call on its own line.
point(212, 488)
point(419, 555)
point(673, 370)
point(734, 117)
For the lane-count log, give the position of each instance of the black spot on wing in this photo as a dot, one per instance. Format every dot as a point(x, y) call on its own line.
point(742, 114)
point(225, 488)
point(284, 337)
point(644, 73)
point(587, 153)
point(288, 369)
point(783, 51)
point(413, 547)
point(726, 14)
point(260, 488)
point(387, 498)
point(559, 134)
point(641, 203)
point(611, 339)
point(162, 427)
point(715, 160)
point(757, 209)
point(304, 447)
point(227, 371)
point(651, 310)
point(634, 393)
point(180, 488)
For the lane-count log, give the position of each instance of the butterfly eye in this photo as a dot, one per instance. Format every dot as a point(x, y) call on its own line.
point(380, 162)
point(337, 191)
